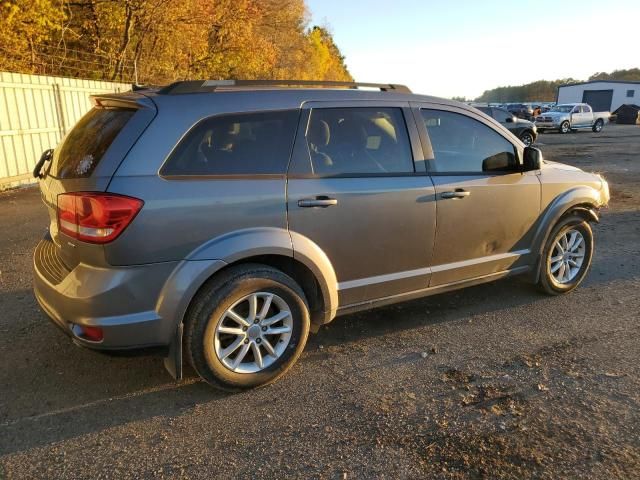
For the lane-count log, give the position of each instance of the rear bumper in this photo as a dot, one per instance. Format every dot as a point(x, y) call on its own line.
point(121, 300)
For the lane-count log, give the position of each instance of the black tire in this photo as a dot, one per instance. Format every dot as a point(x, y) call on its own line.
point(206, 311)
point(565, 127)
point(527, 137)
point(597, 127)
point(547, 282)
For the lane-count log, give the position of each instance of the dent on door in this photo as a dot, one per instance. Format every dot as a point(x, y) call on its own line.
point(484, 224)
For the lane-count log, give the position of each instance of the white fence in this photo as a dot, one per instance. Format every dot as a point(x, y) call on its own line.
point(35, 113)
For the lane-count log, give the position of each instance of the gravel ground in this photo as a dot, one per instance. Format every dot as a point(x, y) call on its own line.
point(495, 381)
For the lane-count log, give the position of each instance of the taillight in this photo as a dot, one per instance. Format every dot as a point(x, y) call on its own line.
point(95, 217)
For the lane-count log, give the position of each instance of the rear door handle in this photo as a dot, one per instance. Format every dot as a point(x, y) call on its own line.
point(457, 194)
point(319, 201)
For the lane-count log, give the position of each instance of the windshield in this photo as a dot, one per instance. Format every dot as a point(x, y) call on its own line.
point(562, 108)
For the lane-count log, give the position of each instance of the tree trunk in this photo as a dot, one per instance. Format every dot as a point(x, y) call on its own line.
point(126, 39)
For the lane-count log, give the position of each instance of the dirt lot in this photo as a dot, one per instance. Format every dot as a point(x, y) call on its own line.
point(514, 384)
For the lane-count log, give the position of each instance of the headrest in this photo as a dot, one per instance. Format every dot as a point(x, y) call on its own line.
point(319, 133)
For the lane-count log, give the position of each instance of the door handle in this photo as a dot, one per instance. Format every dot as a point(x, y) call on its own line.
point(457, 194)
point(319, 201)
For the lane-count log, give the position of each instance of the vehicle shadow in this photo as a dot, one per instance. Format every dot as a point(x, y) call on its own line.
point(56, 391)
point(53, 391)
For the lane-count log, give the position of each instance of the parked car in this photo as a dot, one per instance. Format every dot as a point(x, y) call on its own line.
point(571, 117)
point(523, 129)
point(521, 110)
point(233, 218)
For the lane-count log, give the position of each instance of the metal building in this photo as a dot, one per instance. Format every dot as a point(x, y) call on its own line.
point(602, 95)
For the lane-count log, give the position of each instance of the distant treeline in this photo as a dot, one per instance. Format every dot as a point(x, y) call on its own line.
point(545, 91)
point(164, 40)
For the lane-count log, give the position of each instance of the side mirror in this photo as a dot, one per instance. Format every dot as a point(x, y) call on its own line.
point(510, 120)
point(532, 159)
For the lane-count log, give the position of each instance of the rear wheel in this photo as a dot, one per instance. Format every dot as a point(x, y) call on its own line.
point(597, 127)
point(247, 328)
point(567, 255)
point(565, 127)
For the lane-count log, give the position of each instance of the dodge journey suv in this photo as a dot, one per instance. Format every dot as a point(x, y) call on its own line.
point(222, 221)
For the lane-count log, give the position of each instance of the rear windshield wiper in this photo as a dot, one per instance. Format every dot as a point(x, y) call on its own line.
point(46, 156)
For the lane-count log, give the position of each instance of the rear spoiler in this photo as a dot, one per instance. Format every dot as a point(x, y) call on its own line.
point(122, 100)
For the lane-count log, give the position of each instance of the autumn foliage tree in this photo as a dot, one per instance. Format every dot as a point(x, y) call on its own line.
point(159, 41)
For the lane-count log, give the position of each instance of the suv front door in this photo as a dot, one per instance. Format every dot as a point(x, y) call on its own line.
point(358, 188)
point(486, 207)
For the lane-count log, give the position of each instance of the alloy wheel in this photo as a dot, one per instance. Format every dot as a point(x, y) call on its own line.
point(566, 256)
point(253, 333)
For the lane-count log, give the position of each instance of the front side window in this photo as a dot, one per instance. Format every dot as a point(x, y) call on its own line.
point(237, 144)
point(358, 140)
point(462, 144)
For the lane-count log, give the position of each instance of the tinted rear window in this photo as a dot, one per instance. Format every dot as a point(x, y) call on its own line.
point(238, 144)
point(85, 145)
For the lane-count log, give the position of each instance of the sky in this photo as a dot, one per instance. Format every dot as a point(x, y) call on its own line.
point(463, 47)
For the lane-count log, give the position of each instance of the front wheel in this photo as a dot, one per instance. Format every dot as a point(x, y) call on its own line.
point(597, 127)
point(566, 257)
point(565, 127)
point(527, 138)
point(247, 328)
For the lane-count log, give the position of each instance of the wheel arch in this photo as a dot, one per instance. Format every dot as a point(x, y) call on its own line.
point(529, 131)
point(291, 253)
point(582, 201)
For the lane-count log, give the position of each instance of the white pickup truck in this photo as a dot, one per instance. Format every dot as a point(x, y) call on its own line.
point(571, 116)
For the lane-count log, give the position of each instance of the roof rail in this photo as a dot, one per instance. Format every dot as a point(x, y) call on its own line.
point(202, 86)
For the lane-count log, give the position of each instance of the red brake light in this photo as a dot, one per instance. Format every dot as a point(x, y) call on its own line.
point(95, 217)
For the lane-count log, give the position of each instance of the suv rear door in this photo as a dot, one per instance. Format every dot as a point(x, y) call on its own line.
point(358, 188)
point(486, 207)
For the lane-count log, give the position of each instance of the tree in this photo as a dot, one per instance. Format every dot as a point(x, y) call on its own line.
point(164, 40)
point(24, 25)
point(630, 75)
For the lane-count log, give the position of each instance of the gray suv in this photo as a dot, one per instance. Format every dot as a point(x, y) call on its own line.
point(223, 221)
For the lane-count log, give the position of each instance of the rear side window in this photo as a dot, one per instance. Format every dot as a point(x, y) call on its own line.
point(85, 145)
point(462, 144)
point(238, 144)
point(358, 140)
